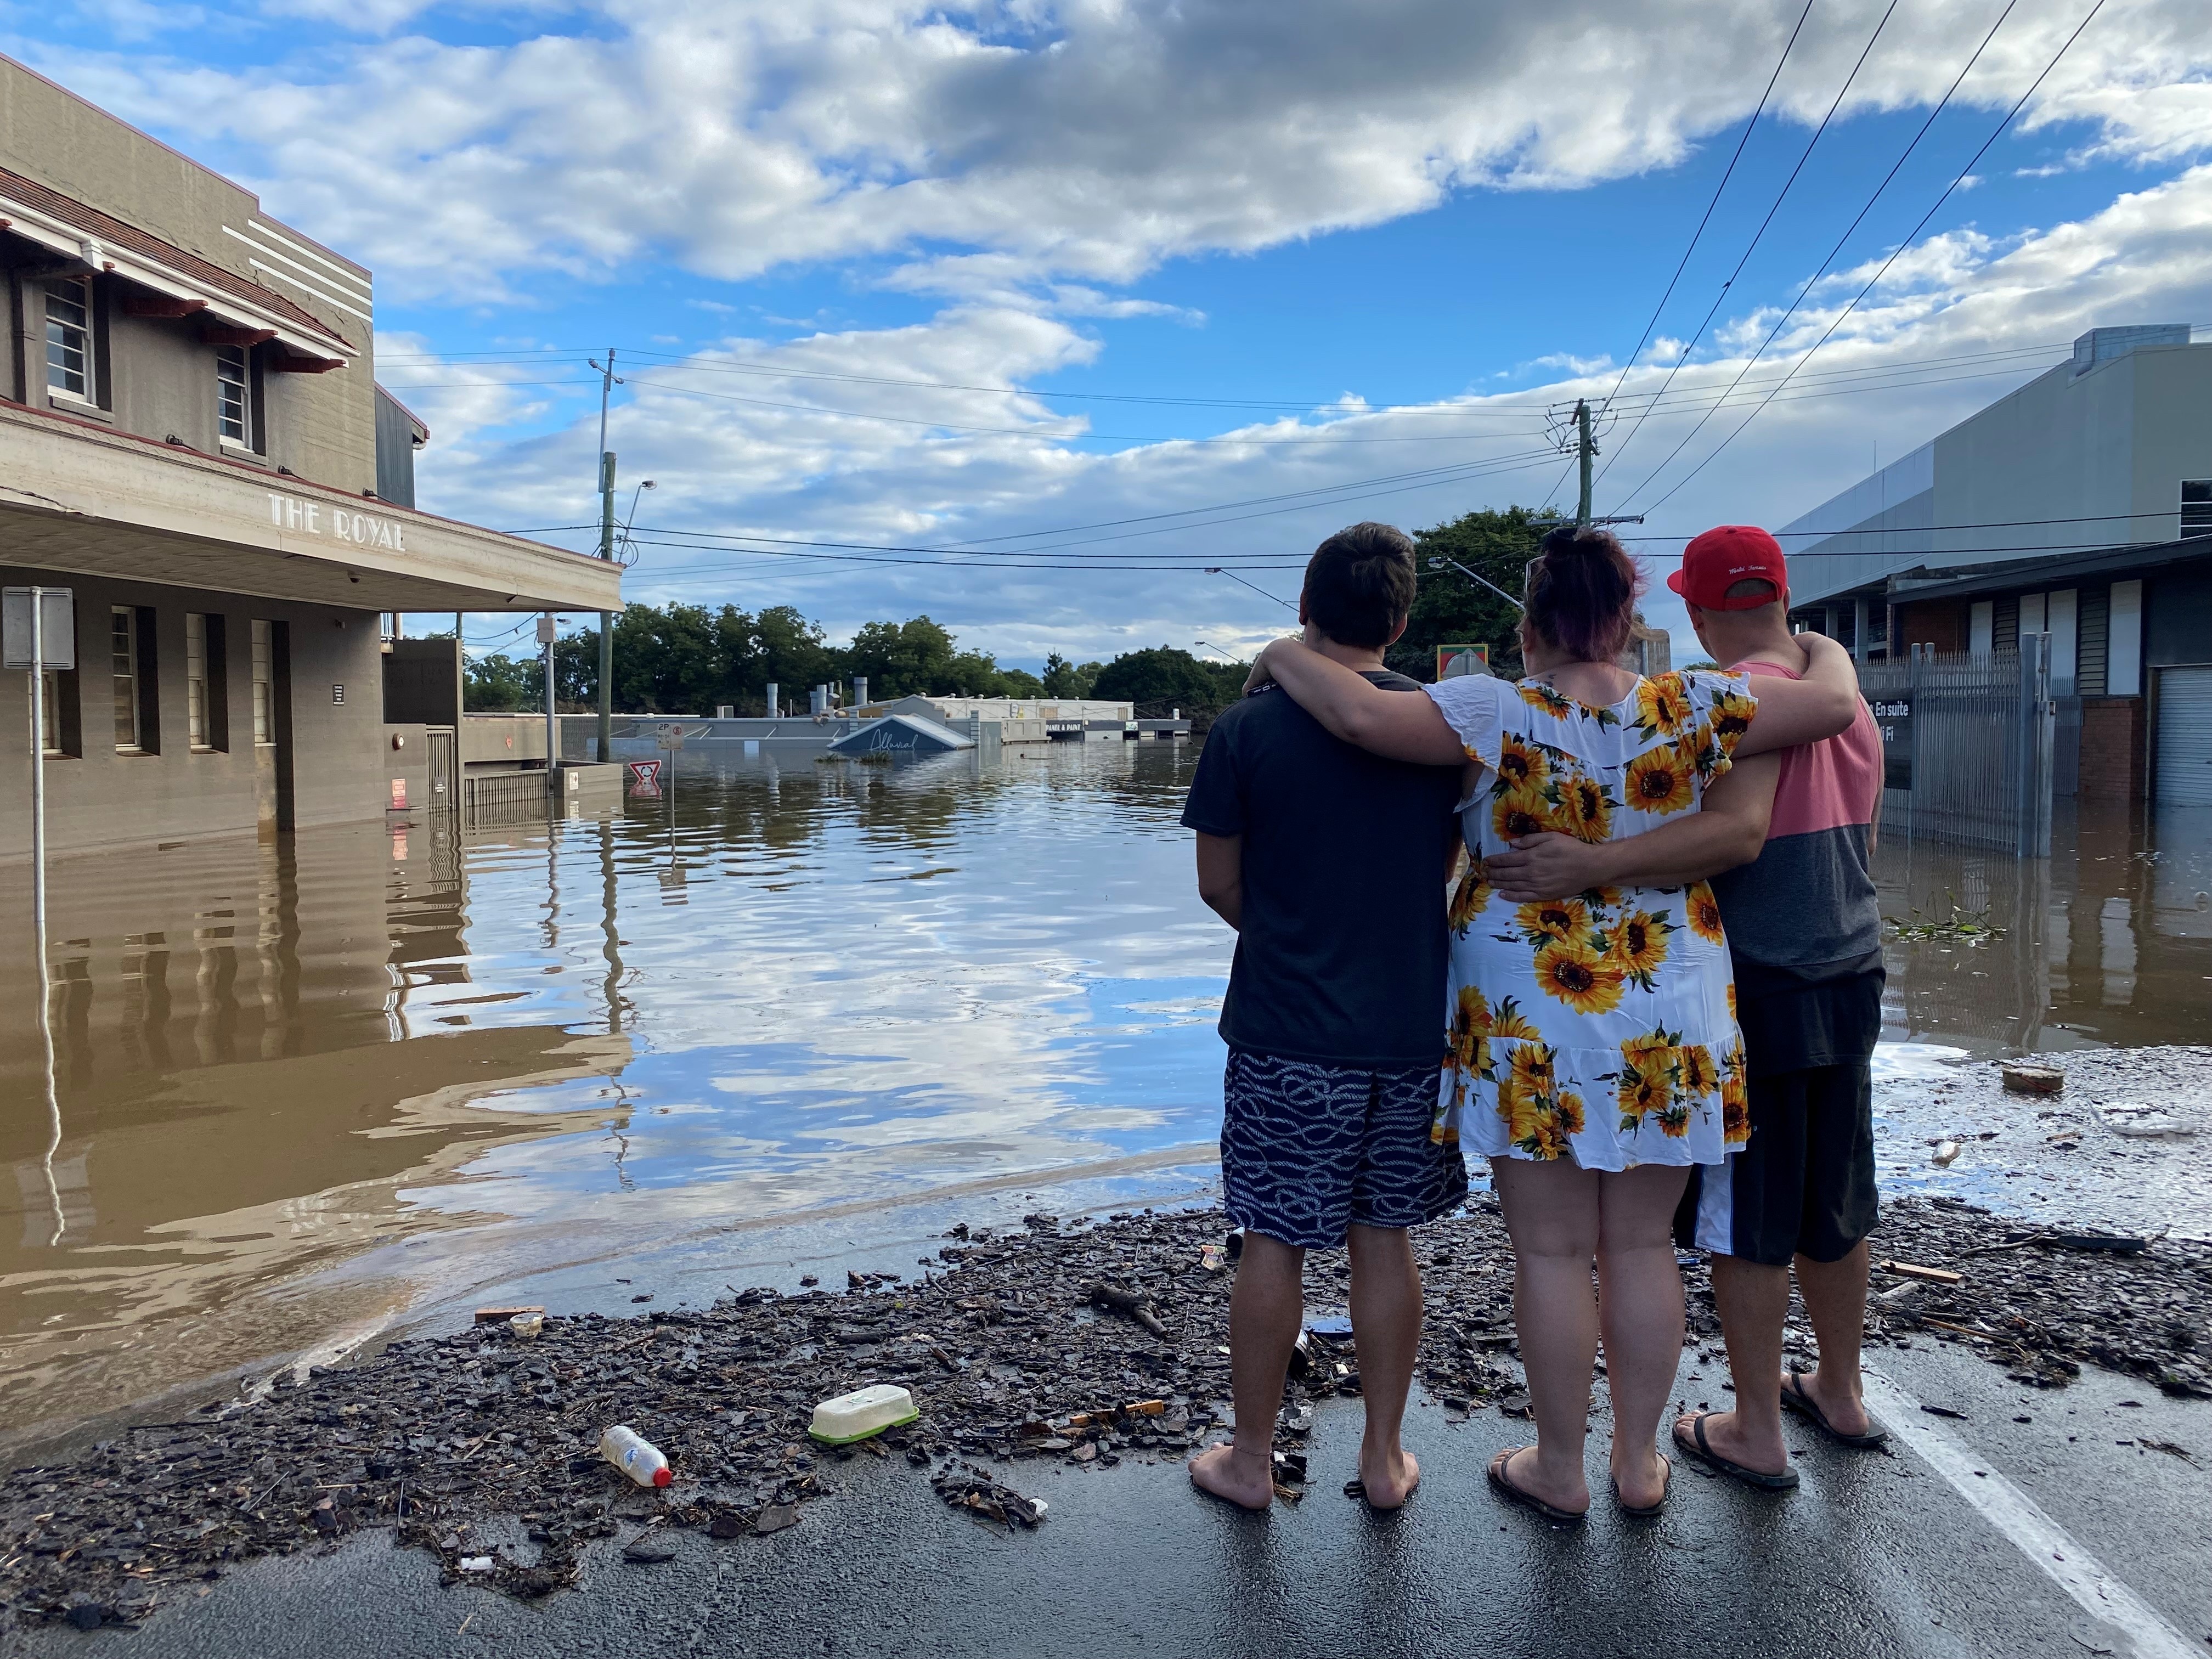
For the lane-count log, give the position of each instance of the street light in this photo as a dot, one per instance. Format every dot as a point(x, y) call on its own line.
point(1437, 561)
point(1210, 646)
point(1216, 570)
point(623, 540)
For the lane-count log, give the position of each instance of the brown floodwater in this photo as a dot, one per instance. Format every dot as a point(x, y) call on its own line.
point(304, 1088)
point(2107, 943)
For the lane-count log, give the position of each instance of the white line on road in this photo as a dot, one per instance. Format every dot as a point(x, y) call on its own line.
point(2023, 1519)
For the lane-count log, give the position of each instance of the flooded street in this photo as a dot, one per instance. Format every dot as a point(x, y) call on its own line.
point(307, 1089)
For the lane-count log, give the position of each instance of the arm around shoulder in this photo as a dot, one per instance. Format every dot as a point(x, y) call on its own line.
point(1821, 704)
point(1398, 724)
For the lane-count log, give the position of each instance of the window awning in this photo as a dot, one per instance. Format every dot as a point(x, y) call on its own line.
point(100, 242)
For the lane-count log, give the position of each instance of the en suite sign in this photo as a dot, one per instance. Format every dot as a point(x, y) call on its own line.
point(328, 518)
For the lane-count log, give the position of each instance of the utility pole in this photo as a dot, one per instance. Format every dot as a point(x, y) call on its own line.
point(1585, 445)
point(608, 382)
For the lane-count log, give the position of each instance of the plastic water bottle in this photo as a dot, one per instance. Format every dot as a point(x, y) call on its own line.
point(636, 1456)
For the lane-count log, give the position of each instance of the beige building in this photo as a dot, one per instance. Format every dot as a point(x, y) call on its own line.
point(193, 443)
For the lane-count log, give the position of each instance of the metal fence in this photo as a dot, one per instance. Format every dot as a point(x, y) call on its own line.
point(502, 798)
point(1967, 747)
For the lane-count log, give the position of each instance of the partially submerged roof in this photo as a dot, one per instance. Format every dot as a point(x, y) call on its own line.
point(902, 734)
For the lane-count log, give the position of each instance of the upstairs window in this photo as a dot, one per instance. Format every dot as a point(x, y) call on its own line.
point(2196, 507)
point(233, 415)
point(69, 339)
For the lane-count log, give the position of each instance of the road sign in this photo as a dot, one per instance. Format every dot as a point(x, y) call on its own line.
point(57, 630)
point(645, 775)
point(1454, 661)
point(668, 735)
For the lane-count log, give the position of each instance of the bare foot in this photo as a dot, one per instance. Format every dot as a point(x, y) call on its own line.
point(1388, 1477)
point(1846, 1414)
point(1639, 1473)
point(1724, 1433)
point(1523, 1470)
point(1244, 1479)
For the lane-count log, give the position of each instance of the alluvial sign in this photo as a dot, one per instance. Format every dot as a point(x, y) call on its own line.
point(339, 523)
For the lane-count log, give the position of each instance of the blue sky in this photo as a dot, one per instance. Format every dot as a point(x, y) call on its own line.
point(1203, 245)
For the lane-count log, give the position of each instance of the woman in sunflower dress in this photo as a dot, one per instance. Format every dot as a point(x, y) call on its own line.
point(1592, 1051)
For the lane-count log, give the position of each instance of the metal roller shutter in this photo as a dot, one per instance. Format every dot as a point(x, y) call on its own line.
point(2184, 737)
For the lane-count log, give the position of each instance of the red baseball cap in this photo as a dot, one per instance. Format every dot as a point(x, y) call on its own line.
point(1724, 555)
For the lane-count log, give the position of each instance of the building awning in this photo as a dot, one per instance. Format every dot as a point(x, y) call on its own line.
point(100, 242)
point(78, 498)
point(2120, 561)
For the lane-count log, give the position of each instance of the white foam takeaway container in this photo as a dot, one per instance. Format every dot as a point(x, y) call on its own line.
point(864, 1412)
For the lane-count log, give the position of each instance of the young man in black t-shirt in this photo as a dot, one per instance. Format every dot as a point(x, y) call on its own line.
point(1330, 863)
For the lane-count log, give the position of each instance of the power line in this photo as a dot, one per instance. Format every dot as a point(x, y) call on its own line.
point(982, 555)
point(1787, 184)
point(1973, 162)
point(1726, 174)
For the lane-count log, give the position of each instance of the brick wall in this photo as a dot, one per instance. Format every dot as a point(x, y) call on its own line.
point(2114, 765)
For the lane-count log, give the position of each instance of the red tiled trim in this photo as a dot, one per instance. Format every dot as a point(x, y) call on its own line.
point(106, 228)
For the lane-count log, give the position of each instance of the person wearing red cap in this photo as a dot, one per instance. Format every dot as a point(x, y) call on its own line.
point(1805, 932)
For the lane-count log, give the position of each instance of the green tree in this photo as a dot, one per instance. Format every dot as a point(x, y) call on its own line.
point(1164, 677)
point(904, 658)
point(787, 648)
point(1063, 678)
point(1450, 609)
point(499, 684)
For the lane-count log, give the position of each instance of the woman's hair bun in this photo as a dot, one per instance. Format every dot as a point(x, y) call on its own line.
point(1582, 592)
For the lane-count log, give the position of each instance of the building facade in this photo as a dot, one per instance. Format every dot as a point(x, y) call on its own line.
point(192, 443)
point(2080, 505)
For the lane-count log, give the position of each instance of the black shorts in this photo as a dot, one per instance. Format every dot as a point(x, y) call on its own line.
point(1803, 1184)
point(1307, 1149)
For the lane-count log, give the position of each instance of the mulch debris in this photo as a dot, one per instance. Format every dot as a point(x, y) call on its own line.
point(1086, 1345)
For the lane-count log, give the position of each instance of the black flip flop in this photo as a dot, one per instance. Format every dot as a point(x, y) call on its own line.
point(1795, 1399)
point(1698, 1448)
point(1528, 1500)
point(1649, 1511)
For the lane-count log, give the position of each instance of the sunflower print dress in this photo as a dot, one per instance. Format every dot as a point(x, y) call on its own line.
point(1600, 1027)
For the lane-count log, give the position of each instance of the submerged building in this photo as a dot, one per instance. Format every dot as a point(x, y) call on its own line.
point(192, 442)
point(2078, 505)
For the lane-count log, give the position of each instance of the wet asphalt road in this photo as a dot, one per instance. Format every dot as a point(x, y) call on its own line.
point(1873, 1556)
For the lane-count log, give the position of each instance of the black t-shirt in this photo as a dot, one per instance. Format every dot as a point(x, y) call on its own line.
point(1342, 955)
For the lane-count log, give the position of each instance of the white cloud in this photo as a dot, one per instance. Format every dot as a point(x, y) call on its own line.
point(839, 476)
point(1082, 142)
point(1024, 161)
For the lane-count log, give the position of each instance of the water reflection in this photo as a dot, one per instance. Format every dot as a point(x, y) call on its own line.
point(2108, 942)
point(250, 1064)
point(303, 1087)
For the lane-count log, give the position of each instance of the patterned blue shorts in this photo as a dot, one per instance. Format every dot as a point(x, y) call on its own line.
point(1307, 1149)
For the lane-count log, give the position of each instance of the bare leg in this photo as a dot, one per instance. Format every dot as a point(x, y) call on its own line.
point(1640, 1307)
point(1266, 1311)
point(1835, 1295)
point(1551, 1212)
point(1753, 1300)
point(1386, 1329)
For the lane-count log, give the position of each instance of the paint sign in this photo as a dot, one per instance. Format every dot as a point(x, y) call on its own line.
point(399, 794)
point(337, 523)
point(1893, 717)
point(1454, 661)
